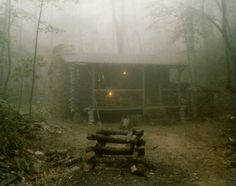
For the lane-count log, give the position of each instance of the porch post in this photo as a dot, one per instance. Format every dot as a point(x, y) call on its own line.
point(143, 87)
point(181, 107)
point(179, 86)
point(91, 118)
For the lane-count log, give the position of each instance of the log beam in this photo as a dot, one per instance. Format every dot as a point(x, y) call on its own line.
point(112, 150)
point(112, 132)
point(108, 139)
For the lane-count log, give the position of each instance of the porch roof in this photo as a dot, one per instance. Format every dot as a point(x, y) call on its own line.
point(109, 58)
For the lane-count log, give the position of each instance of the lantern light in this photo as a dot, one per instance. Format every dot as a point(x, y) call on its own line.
point(124, 73)
point(110, 93)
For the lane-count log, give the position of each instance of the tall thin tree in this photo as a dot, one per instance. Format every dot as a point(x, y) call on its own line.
point(8, 4)
point(225, 33)
point(187, 19)
point(3, 46)
point(35, 57)
point(119, 26)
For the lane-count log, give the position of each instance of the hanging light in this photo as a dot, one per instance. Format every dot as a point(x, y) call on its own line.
point(110, 93)
point(124, 73)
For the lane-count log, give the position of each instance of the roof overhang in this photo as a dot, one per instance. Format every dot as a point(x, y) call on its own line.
point(136, 59)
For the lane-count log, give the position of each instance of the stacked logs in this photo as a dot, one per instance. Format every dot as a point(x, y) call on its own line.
point(132, 147)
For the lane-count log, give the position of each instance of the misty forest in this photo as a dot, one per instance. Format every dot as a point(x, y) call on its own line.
point(117, 92)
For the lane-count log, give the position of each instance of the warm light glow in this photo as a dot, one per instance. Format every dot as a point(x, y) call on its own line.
point(110, 93)
point(124, 73)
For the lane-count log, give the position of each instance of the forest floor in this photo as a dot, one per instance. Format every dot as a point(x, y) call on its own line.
point(190, 153)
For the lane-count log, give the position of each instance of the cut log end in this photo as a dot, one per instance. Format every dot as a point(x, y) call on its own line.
point(88, 166)
point(89, 155)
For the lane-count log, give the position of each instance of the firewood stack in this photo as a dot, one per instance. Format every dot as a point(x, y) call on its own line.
point(114, 146)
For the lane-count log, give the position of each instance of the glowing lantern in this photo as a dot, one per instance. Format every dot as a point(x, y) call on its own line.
point(110, 93)
point(124, 73)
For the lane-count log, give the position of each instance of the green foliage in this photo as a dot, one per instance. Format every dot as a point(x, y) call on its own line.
point(11, 123)
point(24, 67)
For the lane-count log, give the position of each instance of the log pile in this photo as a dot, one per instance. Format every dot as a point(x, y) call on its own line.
point(114, 146)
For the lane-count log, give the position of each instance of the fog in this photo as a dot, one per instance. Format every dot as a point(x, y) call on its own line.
point(88, 25)
point(152, 82)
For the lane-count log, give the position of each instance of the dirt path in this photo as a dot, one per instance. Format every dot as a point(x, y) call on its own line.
point(184, 154)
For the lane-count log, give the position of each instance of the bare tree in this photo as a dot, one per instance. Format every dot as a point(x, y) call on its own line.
point(3, 47)
point(35, 57)
point(223, 28)
point(8, 3)
point(189, 38)
point(229, 51)
point(119, 26)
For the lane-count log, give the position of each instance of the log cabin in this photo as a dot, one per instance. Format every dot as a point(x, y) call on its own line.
point(96, 82)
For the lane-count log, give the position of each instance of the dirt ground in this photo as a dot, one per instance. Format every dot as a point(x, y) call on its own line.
point(189, 153)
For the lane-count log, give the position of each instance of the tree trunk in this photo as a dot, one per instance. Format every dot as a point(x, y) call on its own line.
point(189, 37)
point(35, 58)
point(21, 92)
point(231, 4)
point(205, 45)
point(225, 33)
point(2, 68)
point(119, 27)
point(8, 48)
point(4, 30)
point(229, 49)
point(223, 28)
